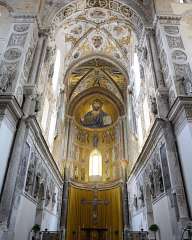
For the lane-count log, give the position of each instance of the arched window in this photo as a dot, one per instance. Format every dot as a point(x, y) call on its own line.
point(95, 163)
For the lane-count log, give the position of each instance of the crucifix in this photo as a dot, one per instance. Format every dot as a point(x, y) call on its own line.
point(95, 203)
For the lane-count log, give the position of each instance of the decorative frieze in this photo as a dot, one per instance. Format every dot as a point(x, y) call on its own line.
point(181, 111)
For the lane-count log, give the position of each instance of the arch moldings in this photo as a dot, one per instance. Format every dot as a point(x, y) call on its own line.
point(87, 58)
point(138, 21)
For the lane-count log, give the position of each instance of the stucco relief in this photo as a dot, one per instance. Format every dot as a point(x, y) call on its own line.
point(19, 95)
point(173, 30)
point(164, 63)
point(12, 54)
point(175, 42)
point(179, 56)
point(8, 73)
point(21, 28)
point(39, 183)
point(28, 61)
point(154, 176)
point(17, 39)
point(182, 70)
point(183, 77)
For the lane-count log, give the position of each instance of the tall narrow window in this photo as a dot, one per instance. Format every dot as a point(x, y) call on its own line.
point(52, 128)
point(136, 69)
point(56, 70)
point(95, 163)
point(45, 114)
point(146, 114)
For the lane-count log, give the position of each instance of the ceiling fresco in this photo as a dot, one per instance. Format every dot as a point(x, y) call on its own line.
point(133, 10)
point(97, 32)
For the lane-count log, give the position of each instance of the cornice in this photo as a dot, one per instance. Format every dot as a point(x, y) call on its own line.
point(10, 104)
point(182, 104)
point(181, 112)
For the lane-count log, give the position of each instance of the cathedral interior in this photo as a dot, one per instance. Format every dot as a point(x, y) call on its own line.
point(95, 120)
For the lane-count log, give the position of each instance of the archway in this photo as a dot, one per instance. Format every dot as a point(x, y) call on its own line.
point(98, 49)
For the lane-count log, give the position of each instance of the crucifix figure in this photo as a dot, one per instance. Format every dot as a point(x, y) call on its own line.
point(95, 203)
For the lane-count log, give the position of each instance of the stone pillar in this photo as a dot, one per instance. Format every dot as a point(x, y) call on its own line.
point(177, 187)
point(9, 196)
point(125, 210)
point(63, 222)
point(124, 164)
point(161, 90)
point(125, 137)
point(10, 113)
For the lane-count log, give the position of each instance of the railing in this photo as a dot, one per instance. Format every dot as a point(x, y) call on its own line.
point(45, 235)
point(50, 235)
point(53, 235)
point(134, 235)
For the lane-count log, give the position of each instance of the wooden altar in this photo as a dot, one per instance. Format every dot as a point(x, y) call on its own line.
point(94, 214)
point(95, 233)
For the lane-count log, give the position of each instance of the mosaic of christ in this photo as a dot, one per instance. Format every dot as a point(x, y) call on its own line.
point(96, 118)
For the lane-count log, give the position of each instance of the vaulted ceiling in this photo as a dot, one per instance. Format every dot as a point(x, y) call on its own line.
point(92, 29)
point(97, 73)
point(95, 32)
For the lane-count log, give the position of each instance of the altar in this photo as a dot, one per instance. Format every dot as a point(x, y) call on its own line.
point(95, 233)
point(90, 214)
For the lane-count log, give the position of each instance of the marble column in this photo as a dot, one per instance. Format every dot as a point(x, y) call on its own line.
point(63, 222)
point(161, 90)
point(125, 210)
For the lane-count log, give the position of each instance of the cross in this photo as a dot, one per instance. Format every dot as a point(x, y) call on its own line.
point(95, 203)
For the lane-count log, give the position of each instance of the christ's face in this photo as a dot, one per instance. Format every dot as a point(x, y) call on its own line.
point(96, 106)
